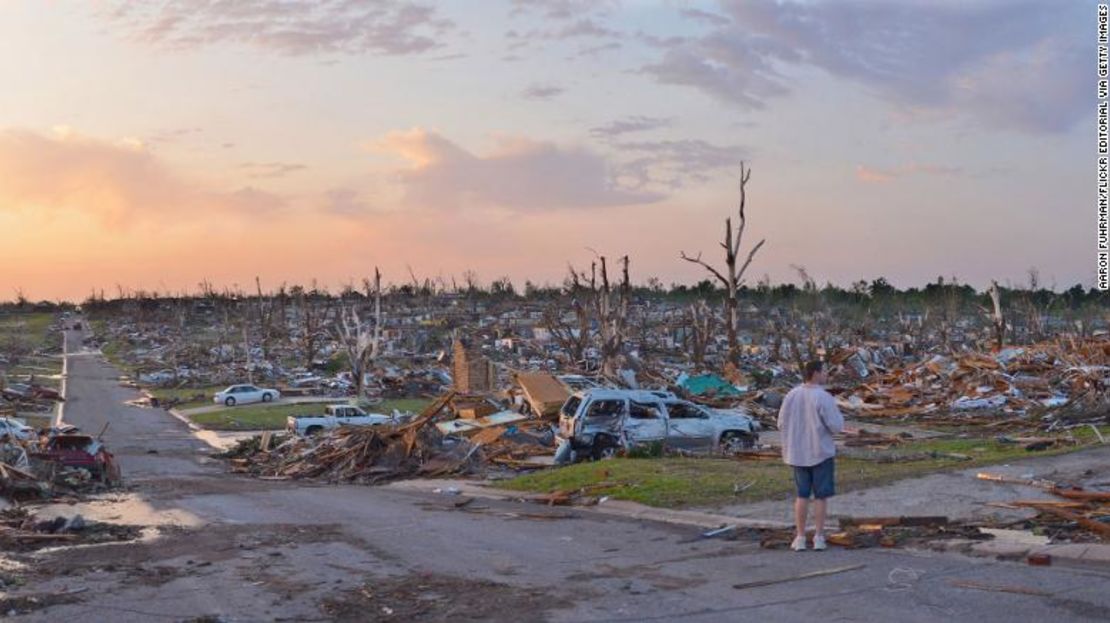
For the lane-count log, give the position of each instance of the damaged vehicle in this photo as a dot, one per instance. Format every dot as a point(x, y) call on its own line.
point(81, 452)
point(17, 391)
point(16, 429)
point(598, 423)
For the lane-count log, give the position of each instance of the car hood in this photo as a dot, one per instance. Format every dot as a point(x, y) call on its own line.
point(734, 417)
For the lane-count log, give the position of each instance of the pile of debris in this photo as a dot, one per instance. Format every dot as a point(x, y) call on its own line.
point(1080, 516)
point(30, 397)
point(21, 531)
point(1016, 381)
point(860, 532)
point(17, 484)
point(867, 532)
point(376, 454)
point(61, 462)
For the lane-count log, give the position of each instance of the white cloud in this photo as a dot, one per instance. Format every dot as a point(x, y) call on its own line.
point(1017, 64)
point(520, 174)
point(390, 27)
point(542, 91)
point(633, 123)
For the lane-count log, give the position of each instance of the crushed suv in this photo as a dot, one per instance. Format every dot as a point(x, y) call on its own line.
point(597, 423)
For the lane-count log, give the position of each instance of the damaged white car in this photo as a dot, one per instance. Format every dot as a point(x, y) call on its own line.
point(597, 423)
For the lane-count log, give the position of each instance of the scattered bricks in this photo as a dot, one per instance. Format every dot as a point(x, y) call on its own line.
point(1039, 560)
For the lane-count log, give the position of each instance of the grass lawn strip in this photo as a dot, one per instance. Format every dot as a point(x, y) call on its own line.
point(191, 397)
point(701, 482)
point(272, 417)
point(34, 327)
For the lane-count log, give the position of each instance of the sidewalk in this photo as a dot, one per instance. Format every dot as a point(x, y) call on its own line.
point(958, 495)
point(219, 440)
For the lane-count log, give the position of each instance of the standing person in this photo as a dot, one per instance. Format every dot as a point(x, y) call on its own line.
point(808, 419)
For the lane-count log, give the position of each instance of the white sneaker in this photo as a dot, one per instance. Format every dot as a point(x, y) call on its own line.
point(819, 542)
point(799, 544)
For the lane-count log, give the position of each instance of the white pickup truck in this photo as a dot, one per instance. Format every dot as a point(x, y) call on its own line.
point(334, 415)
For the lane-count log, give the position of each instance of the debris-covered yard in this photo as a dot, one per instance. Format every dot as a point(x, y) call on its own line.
point(583, 397)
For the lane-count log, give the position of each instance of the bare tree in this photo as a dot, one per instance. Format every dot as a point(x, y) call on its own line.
point(360, 342)
point(813, 312)
point(1035, 314)
point(733, 276)
point(998, 322)
point(700, 324)
point(612, 315)
point(572, 338)
point(313, 319)
point(264, 315)
point(608, 305)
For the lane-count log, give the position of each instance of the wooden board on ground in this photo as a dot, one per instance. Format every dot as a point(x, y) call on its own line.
point(545, 393)
point(801, 576)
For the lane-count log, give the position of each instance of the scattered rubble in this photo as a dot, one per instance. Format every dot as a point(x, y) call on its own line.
point(55, 463)
point(1064, 382)
point(433, 597)
point(1080, 516)
point(20, 530)
point(376, 454)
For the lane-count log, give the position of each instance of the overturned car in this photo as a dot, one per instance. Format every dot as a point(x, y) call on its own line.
point(597, 423)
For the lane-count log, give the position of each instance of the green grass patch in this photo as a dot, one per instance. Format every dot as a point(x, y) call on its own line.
point(41, 367)
point(113, 351)
point(253, 417)
point(415, 405)
point(99, 327)
point(708, 482)
point(272, 417)
point(31, 329)
point(40, 378)
point(191, 397)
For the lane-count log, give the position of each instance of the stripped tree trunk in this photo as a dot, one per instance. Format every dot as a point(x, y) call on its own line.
point(735, 273)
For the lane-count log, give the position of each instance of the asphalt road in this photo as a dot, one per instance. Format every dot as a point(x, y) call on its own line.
point(250, 550)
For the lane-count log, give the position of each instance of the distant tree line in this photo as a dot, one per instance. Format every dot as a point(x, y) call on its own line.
point(878, 291)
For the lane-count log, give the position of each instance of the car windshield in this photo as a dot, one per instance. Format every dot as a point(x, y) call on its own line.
point(570, 407)
point(641, 411)
point(605, 409)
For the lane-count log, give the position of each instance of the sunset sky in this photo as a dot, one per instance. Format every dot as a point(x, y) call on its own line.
point(157, 144)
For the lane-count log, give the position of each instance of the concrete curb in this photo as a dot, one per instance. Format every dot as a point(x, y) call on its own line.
point(210, 437)
point(616, 508)
point(184, 419)
point(1085, 555)
point(60, 409)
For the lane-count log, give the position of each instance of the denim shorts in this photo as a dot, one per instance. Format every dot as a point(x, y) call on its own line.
point(816, 480)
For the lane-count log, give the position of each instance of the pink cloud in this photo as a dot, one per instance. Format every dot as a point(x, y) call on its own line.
point(874, 175)
point(115, 182)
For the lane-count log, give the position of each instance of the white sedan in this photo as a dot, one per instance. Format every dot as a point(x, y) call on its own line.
point(245, 394)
